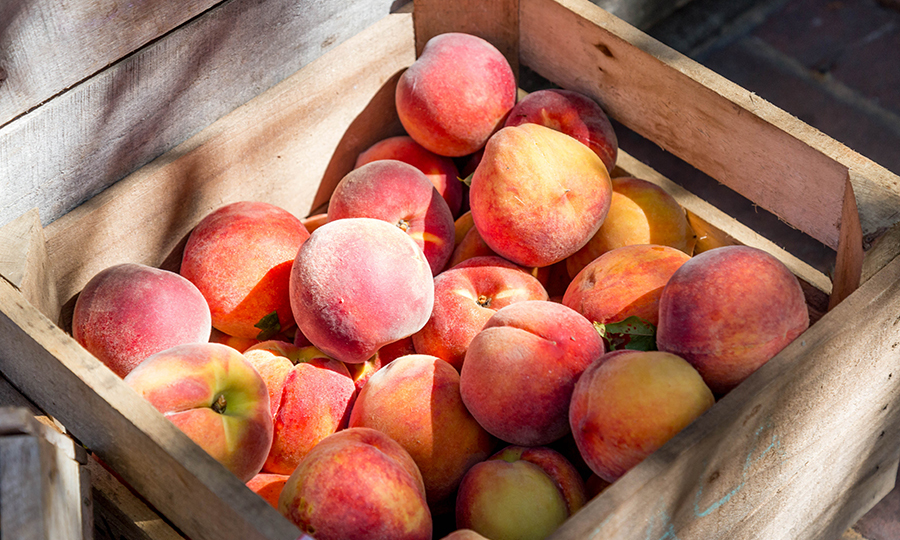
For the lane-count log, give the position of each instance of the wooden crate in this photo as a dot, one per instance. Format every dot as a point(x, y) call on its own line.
point(799, 450)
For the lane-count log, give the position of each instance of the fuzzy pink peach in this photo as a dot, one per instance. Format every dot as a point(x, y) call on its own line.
point(441, 170)
point(456, 94)
point(538, 195)
point(400, 194)
point(465, 297)
point(310, 394)
point(240, 258)
point(519, 371)
point(128, 312)
point(572, 113)
point(358, 284)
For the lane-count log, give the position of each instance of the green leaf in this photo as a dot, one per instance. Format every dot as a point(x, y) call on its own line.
point(467, 180)
point(632, 333)
point(269, 326)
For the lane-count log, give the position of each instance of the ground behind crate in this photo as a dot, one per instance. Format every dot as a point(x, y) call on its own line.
point(835, 64)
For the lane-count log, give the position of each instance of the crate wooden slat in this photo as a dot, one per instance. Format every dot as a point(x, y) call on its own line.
point(798, 451)
point(51, 46)
point(44, 486)
point(81, 140)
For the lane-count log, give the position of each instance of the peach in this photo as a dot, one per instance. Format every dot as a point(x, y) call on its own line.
point(415, 400)
point(572, 113)
point(240, 258)
point(729, 310)
point(310, 394)
point(314, 221)
point(464, 534)
point(465, 297)
point(625, 282)
point(128, 312)
point(213, 394)
point(519, 492)
point(470, 245)
point(538, 195)
point(441, 170)
point(360, 373)
point(461, 226)
point(402, 195)
point(268, 486)
point(456, 94)
point(627, 404)
point(236, 343)
point(358, 284)
point(640, 212)
point(357, 483)
point(519, 371)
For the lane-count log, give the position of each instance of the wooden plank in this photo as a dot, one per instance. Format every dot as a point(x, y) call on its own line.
point(83, 140)
point(120, 514)
point(22, 489)
point(42, 489)
point(782, 454)
point(738, 139)
point(49, 46)
point(24, 262)
point(496, 21)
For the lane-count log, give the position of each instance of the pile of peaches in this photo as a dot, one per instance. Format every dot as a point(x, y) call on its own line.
point(438, 357)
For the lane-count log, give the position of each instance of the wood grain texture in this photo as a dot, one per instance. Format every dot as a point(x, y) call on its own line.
point(737, 138)
point(42, 488)
point(289, 147)
point(47, 46)
point(795, 452)
point(83, 140)
point(24, 262)
point(120, 514)
point(496, 21)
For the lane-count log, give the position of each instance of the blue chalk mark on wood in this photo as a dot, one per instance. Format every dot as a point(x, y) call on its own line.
point(749, 462)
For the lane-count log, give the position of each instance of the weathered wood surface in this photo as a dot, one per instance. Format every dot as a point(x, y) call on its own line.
point(561, 38)
point(24, 263)
point(81, 141)
point(48, 46)
point(44, 493)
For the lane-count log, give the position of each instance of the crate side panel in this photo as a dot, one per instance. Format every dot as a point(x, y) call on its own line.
point(86, 138)
point(47, 46)
point(818, 422)
point(687, 110)
point(289, 147)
